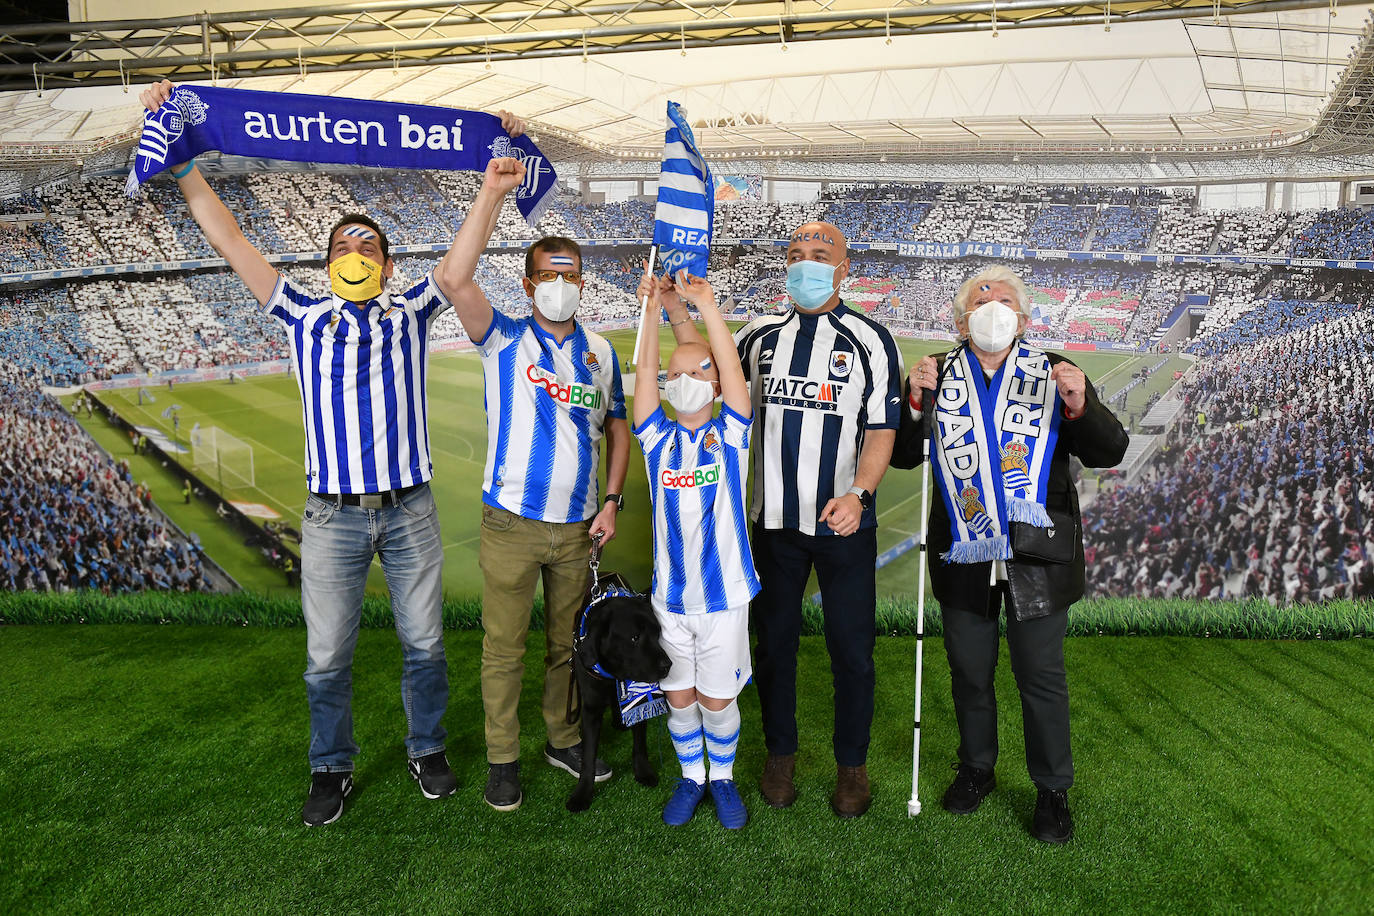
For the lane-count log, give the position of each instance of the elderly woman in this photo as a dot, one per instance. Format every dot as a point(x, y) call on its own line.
point(1005, 528)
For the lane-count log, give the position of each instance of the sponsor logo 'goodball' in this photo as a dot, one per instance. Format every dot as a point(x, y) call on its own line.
point(686, 480)
point(571, 394)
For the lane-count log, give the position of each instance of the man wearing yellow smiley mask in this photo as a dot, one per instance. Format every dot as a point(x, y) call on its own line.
point(359, 355)
point(356, 276)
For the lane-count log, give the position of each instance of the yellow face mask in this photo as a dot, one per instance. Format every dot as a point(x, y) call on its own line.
point(354, 278)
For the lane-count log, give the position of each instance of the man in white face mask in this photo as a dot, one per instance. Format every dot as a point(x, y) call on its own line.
point(553, 392)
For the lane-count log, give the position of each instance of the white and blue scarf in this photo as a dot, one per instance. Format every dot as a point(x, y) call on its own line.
point(1017, 411)
point(321, 128)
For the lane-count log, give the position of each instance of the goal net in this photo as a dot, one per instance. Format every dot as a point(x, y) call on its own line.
point(222, 457)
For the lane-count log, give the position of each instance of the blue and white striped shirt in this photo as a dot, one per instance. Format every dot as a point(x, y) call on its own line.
point(362, 381)
point(702, 561)
point(547, 405)
point(817, 383)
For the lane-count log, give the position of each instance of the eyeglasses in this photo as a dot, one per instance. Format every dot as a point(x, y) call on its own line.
point(548, 276)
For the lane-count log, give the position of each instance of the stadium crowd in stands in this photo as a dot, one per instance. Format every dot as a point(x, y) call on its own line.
point(69, 516)
point(1265, 319)
point(1266, 487)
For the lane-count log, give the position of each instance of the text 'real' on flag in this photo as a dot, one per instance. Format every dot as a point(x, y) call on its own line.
point(686, 200)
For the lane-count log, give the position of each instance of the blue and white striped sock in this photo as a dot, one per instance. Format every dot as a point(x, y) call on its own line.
point(722, 737)
point(684, 725)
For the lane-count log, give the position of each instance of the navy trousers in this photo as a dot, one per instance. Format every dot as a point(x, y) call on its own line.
point(784, 559)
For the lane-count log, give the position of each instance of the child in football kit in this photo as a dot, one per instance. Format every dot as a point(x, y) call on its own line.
point(703, 570)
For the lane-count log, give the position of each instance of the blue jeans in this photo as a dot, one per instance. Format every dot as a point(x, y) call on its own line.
point(337, 546)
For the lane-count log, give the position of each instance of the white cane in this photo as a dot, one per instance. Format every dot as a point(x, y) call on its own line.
point(913, 806)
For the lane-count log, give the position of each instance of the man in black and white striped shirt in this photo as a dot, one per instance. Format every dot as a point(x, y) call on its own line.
point(826, 383)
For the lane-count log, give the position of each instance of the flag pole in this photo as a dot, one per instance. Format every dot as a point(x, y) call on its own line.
point(643, 306)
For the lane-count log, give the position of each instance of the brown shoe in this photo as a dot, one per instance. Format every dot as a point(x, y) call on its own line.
point(851, 797)
point(776, 784)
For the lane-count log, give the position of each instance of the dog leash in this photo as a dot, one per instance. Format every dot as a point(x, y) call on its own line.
point(595, 564)
point(571, 716)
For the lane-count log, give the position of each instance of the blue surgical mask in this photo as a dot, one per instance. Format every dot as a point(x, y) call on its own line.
point(810, 283)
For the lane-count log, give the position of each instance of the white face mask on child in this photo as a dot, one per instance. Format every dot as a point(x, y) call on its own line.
point(688, 394)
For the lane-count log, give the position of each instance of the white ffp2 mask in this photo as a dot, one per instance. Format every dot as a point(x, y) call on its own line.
point(557, 300)
point(688, 394)
point(992, 326)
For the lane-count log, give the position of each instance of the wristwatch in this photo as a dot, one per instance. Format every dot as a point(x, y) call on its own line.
point(865, 497)
point(617, 499)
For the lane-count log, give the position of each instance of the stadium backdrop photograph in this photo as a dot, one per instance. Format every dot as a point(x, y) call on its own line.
point(613, 458)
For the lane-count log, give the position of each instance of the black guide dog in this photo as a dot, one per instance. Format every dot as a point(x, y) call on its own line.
point(616, 637)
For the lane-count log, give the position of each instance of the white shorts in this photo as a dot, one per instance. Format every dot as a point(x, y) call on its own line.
point(710, 652)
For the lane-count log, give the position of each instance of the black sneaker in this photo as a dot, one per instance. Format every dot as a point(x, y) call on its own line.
point(326, 801)
point(570, 759)
point(434, 775)
point(1052, 823)
point(503, 786)
point(970, 786)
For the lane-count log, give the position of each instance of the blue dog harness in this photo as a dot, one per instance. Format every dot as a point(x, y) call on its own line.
point(639, 700)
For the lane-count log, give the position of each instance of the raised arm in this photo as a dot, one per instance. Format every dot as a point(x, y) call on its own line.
point(646, 370)
point(216, 222)
point(457, 271)
point(734, 390)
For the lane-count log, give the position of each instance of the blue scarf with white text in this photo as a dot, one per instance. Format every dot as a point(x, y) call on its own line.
point(319, 128)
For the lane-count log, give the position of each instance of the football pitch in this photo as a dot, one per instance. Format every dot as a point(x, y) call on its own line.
point(265, 412)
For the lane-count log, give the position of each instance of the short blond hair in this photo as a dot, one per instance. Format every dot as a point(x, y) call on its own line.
point(996, 274)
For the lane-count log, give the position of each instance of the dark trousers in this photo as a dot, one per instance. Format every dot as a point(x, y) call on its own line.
point(844, 566)
point(1037, 660)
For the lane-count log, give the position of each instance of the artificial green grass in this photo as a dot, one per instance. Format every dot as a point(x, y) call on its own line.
point(266, 412)
point(162, 769)
point(1253, 619)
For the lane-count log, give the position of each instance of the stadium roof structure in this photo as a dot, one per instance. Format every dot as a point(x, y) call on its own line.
point(1153, 90)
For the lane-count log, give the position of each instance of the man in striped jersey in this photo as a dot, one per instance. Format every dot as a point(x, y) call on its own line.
point(360, 358)
point(826, 387)
point(553, 391)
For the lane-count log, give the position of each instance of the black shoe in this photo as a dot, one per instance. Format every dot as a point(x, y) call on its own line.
point(970, 786)
point(503, 786)
point(570, 759)
point(434, 775)
point(326, 801)
point(1052, 823)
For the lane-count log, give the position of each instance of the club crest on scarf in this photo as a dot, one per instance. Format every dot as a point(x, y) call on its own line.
point(535, 167)
point(165, 126)
point(1015, 474)
point(1013, 416)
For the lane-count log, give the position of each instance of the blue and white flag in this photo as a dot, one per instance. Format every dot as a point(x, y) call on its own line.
point(169, 410)
point(686, 200)
point(321, 128)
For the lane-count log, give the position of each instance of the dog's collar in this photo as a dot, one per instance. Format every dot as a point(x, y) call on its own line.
point(582, 645)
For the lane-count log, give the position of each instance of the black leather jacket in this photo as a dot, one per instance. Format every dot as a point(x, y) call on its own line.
point(1037, 589)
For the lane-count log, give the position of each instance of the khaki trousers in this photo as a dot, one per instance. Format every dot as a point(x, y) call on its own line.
point(515, 553)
